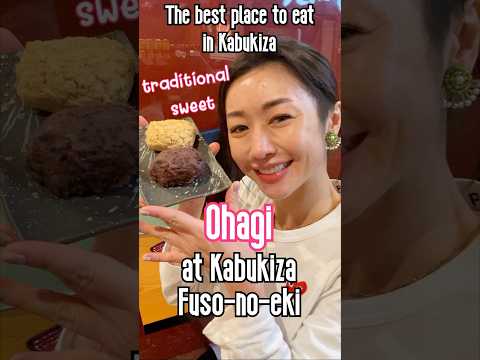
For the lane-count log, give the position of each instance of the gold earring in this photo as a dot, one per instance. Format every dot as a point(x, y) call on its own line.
point(332, 140)
point(460, 88)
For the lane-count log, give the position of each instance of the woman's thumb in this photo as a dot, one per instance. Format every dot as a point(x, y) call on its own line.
point(232, 196)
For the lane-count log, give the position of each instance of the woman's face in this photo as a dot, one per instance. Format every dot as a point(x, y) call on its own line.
point(274, 131)
point(392, 100)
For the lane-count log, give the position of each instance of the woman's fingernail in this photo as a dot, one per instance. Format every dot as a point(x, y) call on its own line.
point(147, 257)
point(144, 211)
point(13, 258)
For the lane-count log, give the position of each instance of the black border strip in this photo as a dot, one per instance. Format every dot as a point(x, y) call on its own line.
point(165, 324)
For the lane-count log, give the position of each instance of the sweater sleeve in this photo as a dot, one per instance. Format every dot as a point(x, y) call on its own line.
point(261, 337)
point(170, 280)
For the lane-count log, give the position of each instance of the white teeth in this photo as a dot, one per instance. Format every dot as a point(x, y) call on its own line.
point(273, 170)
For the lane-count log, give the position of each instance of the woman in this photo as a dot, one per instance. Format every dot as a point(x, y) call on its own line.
point(275, 112)
point(409, 237)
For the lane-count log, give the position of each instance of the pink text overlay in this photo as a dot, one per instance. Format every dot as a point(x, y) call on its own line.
point(223, 224)
point(184, 80)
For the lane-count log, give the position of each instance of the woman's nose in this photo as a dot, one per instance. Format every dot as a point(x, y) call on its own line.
point(262, 146)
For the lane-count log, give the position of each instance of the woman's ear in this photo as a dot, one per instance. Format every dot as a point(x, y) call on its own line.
point(465, 37)
point(335, 119)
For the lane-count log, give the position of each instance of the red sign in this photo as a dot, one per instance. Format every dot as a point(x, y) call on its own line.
point(94, 17)
point(44, 20)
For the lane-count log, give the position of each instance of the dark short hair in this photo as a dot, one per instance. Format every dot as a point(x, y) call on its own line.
point(308, 65)
point(438, 18)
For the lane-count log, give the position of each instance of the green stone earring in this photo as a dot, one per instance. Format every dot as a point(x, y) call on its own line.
point(332, 140)
point(460, 88)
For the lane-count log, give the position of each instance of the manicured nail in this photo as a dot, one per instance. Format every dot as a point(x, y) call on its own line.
point(144, 212)
point(13, 258)
point(147, 257)
point(237, 186)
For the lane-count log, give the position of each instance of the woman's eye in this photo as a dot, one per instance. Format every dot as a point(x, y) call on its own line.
point(281, 118)
point(349, 31)
point(238, 129)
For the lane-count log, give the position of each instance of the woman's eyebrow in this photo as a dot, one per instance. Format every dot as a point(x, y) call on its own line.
point(238, 113)
point(266, 106)
point(272, 103)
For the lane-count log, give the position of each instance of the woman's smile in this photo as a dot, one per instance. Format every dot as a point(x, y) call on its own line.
point(272, 173)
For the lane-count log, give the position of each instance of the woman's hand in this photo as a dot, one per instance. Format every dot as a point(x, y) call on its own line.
point(185, 236)
point(103, 309)
point(184, 233)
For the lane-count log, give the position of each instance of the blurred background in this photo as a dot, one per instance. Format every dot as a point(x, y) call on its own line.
point(30, 20)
